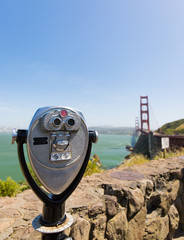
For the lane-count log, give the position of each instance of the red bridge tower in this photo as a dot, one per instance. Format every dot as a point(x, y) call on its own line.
point(136, 124)
point(144, 113)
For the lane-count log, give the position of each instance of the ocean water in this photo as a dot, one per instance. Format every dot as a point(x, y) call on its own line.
point(110, 149)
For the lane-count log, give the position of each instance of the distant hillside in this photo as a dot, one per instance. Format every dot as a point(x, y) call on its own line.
point(5, 130)
point(180, 127)
point(114, 130)
point(175, 127)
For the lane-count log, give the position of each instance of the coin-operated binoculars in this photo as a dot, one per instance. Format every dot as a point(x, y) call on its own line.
point(59, 146)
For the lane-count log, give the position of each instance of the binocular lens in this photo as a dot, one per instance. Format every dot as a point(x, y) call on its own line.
point(71, 122)
point(57, 121)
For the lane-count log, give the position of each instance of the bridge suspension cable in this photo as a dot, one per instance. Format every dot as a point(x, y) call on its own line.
point(158, 126)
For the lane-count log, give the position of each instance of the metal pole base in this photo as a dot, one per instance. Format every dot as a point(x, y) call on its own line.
point(53, 232)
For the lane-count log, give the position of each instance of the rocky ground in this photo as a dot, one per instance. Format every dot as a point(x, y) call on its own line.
point(139, 202)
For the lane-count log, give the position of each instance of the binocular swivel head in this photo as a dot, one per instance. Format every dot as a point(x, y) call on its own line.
point(59, 147)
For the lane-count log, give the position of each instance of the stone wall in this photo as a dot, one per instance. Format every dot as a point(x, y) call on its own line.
point(139, 202)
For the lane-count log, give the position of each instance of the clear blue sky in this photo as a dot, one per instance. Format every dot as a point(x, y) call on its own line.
point(98, 56)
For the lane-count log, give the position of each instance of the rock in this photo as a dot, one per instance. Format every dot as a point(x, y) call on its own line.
point(180, 208)
point(177, 173)
point(173, 221)
point(6, 229)
point(117, 191)
point(32, 207)
point(153, 202)
point(29, 216)
point(165, 203)
point(117, 226)
point(174, 189)
point(138, 223)
point(29, 196)
point(157, 227)
point(149, 187)
point(99, 227)
point(9, 213)
point(111, 205)
point(6, 223)
point(135, 201)
point(160, 183)
point(80, 230)
point(96, 209)
point(159, 200)
point(25, 233)
point(7, 200)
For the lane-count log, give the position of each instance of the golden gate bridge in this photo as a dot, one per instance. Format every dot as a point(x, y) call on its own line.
point(154, 141)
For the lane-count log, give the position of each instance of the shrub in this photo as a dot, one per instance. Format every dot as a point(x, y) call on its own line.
point(8, 187)
point(23, 185)
point(94, 166)
point(135, 159)
point(170, 153)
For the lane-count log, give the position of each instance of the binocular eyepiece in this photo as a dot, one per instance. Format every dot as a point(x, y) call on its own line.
point(63, 120)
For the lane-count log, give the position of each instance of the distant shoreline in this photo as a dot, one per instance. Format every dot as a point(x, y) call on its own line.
point(114, 130)
point(5, 130)
point(101, 130)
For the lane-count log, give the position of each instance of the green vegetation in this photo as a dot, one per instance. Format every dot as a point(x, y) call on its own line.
point(170, 153)
point(94, 166)
point(135, 159)
point(8, 187)
point(171, 128)
point(11, 188)
point(23, 185)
